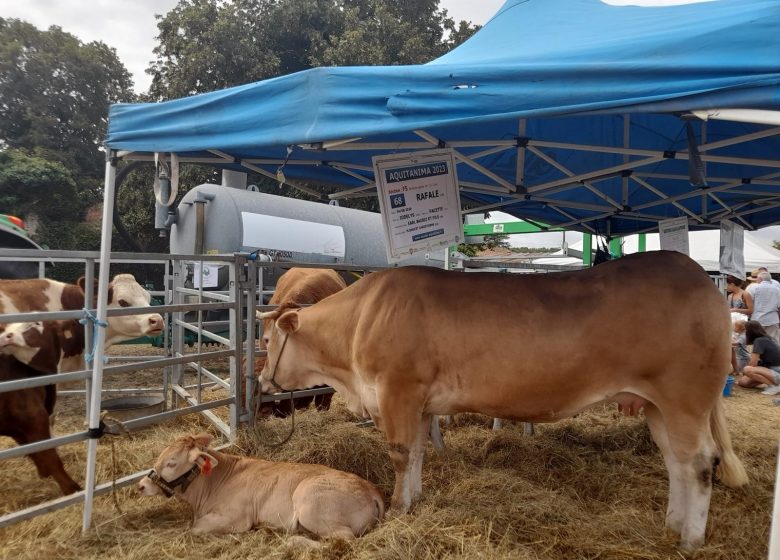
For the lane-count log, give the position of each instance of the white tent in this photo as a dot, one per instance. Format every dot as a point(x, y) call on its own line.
point(704, 249)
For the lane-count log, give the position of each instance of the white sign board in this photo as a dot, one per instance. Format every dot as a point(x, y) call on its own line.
point(262, 231)
point(419, 200)
point(732, 244)
point(674, 235)
point(210, 275)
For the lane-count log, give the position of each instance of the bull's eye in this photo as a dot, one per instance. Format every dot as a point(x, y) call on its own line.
point(123, 303)
point(171, 464)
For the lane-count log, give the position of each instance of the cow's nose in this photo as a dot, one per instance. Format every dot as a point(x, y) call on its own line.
point(156, 322)
point(141, 486)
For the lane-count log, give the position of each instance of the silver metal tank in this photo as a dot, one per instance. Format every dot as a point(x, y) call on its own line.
point(288, 229)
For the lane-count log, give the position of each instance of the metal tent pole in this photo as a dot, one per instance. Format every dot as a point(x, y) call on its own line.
point(100, 336)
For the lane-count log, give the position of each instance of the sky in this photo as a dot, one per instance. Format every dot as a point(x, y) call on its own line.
point(130, 27)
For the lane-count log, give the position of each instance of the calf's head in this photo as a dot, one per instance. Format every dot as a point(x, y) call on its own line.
point(24, 340)
point(124, 291)
point(178, 465)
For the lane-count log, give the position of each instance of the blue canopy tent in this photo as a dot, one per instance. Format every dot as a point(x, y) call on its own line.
point(575, 113)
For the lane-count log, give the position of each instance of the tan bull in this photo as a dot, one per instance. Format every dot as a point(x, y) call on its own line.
point(231, 494)
point(296, 287)
point(418, 341)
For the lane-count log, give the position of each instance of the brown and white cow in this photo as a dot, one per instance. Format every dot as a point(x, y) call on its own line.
point(24, 416)
point(231, 494)
point(298, 286)
point(20, 296)
point(35, 348)
point(46, 346)
point(417, 341)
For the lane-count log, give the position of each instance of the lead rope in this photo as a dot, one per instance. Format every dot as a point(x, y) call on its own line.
point(90, 317)
point(259, 402)
point(114, 470)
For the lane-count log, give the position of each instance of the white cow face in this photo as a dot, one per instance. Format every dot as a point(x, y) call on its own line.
point(126, 292)
point(177, 460)
point(22, 340)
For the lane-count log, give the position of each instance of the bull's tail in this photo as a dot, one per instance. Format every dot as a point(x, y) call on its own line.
point(730, 470)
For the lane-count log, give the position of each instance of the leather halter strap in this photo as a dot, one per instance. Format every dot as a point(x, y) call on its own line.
point(272, 381)
point(183, 481)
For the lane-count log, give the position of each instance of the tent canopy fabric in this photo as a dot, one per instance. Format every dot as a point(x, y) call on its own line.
point(574, 113)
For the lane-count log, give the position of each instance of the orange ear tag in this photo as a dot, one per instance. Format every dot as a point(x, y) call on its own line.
point(206, 468)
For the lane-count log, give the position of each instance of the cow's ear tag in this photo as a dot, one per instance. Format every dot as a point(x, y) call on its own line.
point(206, 463)
point(68, 334)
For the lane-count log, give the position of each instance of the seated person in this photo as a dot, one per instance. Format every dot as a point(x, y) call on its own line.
point(764, 365)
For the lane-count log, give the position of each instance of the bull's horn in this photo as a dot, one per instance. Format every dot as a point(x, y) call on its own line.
point(267, 314)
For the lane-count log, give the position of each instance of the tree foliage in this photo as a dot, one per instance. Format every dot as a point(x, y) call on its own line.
point(31, 184)
point(54, 97)
point(489, 242)
point(210, 44)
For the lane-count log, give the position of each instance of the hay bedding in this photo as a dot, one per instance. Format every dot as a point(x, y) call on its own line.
point(585, 488)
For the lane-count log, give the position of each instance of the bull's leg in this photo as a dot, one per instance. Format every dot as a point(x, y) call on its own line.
point(416, 458)
point(403, 423)
point(48, 462)
point(436, 439)
point(675, 510)
point(220, 524)
point(692, 446)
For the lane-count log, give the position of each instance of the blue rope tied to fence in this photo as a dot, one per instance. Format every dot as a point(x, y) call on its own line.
point(90, 317)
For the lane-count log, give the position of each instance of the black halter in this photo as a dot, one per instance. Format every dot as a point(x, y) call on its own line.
point(169, 488)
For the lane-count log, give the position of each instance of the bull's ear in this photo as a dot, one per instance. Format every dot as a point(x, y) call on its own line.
point(288, 322)
point(202, 441)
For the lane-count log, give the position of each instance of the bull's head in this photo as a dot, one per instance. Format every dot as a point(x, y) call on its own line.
point(124, 291)
point(178, 465)
point(282, 348)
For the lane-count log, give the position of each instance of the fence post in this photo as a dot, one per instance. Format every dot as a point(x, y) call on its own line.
point(100, 333)
point(249, 370)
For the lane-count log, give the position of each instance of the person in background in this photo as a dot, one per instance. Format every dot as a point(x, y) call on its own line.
point(766, 301)
point(764, 365)
point(752, 282)
point(740, 355)
point(739, 300)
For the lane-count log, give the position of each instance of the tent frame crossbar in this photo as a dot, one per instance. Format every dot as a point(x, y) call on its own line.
point(633, 167)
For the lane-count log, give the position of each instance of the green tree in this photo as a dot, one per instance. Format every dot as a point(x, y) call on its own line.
point(33, 185)
point(54, 97)
point(206, 45)
point(489, 242)
point(776, 245)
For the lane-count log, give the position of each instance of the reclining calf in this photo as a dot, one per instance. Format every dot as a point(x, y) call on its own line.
point(233, 494)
